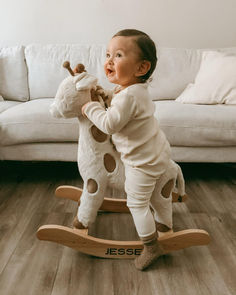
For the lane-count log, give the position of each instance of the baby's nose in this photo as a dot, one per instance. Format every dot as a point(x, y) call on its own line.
point(110, 60)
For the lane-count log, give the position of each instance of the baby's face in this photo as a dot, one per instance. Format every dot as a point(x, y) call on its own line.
point(123, 61)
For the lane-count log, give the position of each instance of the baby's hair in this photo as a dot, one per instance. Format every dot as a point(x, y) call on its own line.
point(147, 47)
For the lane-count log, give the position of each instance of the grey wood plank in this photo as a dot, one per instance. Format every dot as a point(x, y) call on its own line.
point(30, 266)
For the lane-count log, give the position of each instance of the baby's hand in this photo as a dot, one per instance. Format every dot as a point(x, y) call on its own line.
point(84, 107)
point(99, 92)
point(95, 94)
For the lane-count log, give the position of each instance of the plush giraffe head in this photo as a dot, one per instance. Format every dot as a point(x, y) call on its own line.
point(73, 92)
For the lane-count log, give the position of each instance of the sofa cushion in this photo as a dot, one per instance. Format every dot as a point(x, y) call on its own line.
point(45, 151)
point(45, 66)
point(176, 68)
point(31, 122)
point(197, 125)
point(13, 74)
point(6, 104)
point(215, 82)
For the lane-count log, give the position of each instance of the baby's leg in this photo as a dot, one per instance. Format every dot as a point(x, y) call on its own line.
point(142, 215)
point(139, 188)
point(161, 200)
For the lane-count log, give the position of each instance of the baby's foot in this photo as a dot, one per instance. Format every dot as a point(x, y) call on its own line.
point(151, 251)
point(77, 224)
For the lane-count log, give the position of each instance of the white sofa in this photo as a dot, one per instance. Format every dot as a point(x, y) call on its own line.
point(29, 77)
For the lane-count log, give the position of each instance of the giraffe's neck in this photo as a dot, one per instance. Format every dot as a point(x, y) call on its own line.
point(84, 125)
point(85, 136)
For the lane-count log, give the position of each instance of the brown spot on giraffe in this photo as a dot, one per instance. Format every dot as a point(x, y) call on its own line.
point(109, 162)
point(167, 188)
point(92, 186)
point(162, 227)
point(97, 134)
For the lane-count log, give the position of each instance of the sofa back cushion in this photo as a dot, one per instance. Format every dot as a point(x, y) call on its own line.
point(45, 65)
point(176, 68)
point(13, 74)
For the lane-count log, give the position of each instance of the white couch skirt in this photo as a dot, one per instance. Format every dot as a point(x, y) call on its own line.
point(68, 152)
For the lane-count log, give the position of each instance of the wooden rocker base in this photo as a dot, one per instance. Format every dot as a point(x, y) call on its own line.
point(80, 240)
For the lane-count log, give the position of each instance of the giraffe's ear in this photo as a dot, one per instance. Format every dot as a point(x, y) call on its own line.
point(85, 82)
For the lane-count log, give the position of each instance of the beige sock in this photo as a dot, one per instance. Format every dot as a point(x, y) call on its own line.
point(151, 251)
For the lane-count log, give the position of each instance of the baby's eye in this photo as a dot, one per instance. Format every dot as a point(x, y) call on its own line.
point(108, 55)
point(118, 54)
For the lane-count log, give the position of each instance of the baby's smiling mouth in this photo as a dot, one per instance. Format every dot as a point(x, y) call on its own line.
point(109, 71)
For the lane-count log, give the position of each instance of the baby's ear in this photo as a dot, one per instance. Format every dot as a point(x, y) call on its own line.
point(143, 68)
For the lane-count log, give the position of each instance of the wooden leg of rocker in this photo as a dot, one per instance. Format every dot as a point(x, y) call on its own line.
point(80, 241)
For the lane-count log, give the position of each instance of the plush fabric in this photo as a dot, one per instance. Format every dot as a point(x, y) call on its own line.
point(193, 125)
point(40, 151)
point(215, 82)
point(45, 66)
point(28, 132)
point(72, 94)
point(13, 70)
point(31, 122)
point(6, 104)
point(222, 154)
point(176, 68)
point(45, 151)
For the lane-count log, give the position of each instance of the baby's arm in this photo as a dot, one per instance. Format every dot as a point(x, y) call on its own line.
point(112, 120)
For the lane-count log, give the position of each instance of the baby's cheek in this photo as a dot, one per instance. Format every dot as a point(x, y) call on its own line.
point(105, 68)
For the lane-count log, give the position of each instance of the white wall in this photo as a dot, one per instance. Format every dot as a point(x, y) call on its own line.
point(171, 23)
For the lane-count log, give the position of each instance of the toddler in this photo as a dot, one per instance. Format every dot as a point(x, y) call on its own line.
point(149, 171)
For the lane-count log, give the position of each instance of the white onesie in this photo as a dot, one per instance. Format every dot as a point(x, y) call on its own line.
point(144, 150)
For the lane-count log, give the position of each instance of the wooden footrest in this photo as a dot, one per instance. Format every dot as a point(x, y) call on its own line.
point(109, 204)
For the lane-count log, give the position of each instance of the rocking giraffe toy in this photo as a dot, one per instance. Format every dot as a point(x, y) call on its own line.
point(101, 168)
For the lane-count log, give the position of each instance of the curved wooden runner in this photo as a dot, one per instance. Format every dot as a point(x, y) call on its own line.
point(79, 240)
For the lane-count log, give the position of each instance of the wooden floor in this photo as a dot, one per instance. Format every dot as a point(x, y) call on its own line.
point(32, 267)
